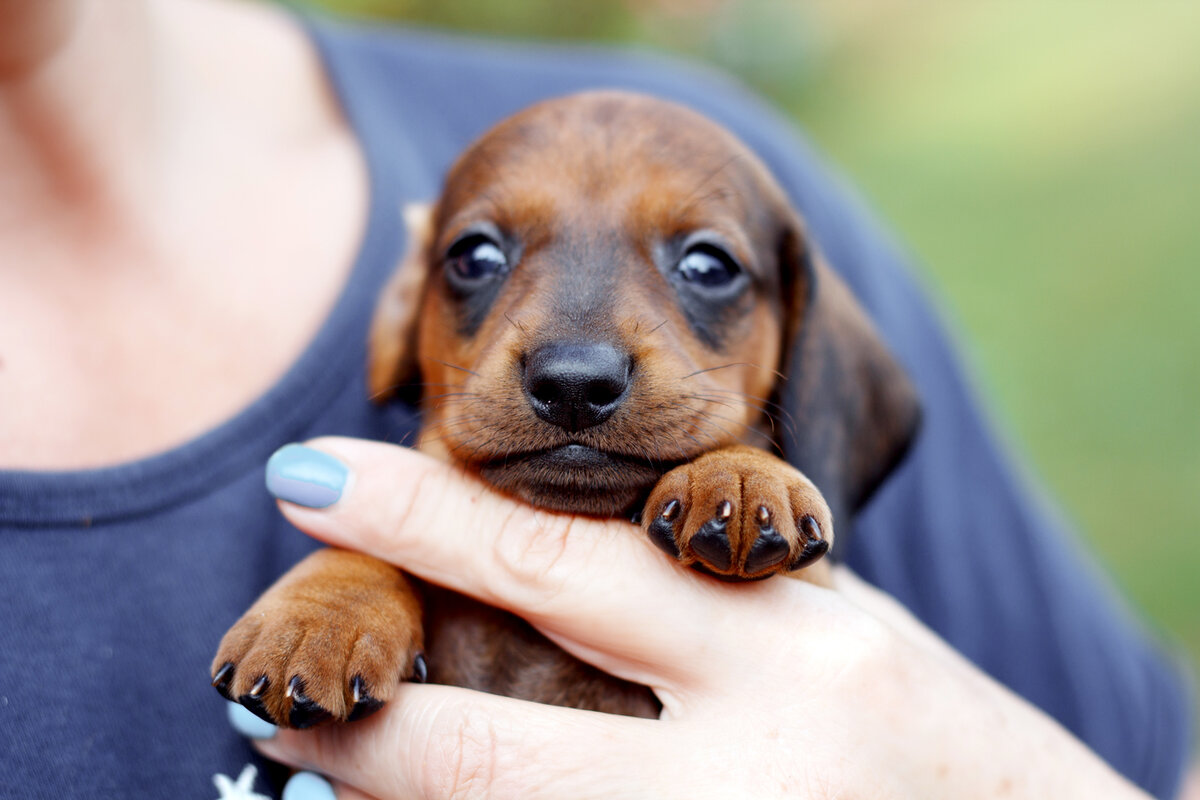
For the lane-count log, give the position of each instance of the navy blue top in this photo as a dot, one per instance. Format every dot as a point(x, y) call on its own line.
point(117, 583)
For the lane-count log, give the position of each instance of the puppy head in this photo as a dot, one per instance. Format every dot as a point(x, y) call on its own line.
point(611, 285)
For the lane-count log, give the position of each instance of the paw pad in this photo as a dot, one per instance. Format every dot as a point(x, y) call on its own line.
point(815, 545)
point(662, 529)
point(364, 703)
point(305, 712)
point(770, 548)
point(254, 700)
point(711, 541)
point(223, 678)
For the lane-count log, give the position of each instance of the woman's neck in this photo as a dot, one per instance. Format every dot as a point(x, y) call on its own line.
point(80, 89)
point(180, 203)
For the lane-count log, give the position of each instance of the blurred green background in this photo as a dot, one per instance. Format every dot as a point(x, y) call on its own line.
point(1042, 163)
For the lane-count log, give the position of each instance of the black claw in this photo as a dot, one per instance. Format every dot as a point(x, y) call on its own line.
point(364, 704)
point(420, 669)
point(662, 533)
point(636, 517)
point(305, 711)
point(810, 528)
point(223, 678)
point(253, 700)
point(813, 550)
point(712, 543)
point(670, 511)
point(768, 550)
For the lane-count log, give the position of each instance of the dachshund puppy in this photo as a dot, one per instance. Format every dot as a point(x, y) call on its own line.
point(598, 315)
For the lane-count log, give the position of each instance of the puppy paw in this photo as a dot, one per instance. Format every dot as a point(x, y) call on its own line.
point(330, 640)
point(739, 514)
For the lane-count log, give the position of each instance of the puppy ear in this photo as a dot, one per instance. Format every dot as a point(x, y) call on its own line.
point(392, 341)
point(854, 412)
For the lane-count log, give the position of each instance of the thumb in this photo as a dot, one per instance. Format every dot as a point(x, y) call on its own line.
point(435, 742)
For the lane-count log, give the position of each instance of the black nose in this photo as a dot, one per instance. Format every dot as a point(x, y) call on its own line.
point(576, 385)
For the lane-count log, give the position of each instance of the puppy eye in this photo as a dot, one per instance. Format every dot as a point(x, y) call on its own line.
point(475, 258)
point(708, 265)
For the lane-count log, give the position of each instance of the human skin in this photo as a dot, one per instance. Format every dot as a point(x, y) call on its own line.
point(177, 181)
point(774, 689)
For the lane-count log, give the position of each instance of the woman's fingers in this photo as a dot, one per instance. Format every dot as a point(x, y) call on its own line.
point(595, 587)
point(443, 742)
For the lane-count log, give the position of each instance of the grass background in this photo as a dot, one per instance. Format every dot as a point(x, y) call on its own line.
point(1042, 163)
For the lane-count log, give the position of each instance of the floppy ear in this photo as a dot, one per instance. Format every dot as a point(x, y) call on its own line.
point(853, 410)
point(392, 342)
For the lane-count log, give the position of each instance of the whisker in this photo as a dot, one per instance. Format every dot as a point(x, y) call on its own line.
point(454, 366)
point(785, 423)
point(444, 395)
point(723, 401)
point(746, 429)
point(409, 385)
point(385, 391)
point(775, 372)
point(762, 403)
point(433, 385)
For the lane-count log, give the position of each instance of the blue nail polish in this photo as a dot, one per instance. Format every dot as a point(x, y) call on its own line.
point(308, 786)
point(306, 477)
point(248, 725)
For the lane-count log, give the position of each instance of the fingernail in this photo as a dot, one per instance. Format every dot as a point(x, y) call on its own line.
point(247, 724)
point(306, 477)
point(308, 786)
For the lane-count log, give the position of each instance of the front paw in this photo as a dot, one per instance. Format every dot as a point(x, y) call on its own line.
point(740, 514)
point(330, 640)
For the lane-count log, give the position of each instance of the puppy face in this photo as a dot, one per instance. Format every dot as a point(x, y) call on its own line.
point(608, 287)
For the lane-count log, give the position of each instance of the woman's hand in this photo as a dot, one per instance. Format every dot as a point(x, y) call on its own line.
point(772, 689)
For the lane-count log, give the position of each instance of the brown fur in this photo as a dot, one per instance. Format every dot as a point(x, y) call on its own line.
point(595, 197)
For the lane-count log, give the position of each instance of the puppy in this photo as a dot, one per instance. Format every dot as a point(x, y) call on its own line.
point(612, 310)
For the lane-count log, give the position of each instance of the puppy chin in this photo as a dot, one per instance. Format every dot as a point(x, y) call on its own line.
point(577, 479)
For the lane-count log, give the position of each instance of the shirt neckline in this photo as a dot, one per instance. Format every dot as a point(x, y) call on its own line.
point(325, 368)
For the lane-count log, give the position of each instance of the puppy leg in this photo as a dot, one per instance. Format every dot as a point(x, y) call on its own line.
point(741, 514)
point(330, 640)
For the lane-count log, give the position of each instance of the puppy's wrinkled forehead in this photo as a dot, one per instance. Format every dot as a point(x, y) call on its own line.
point(607, 161)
